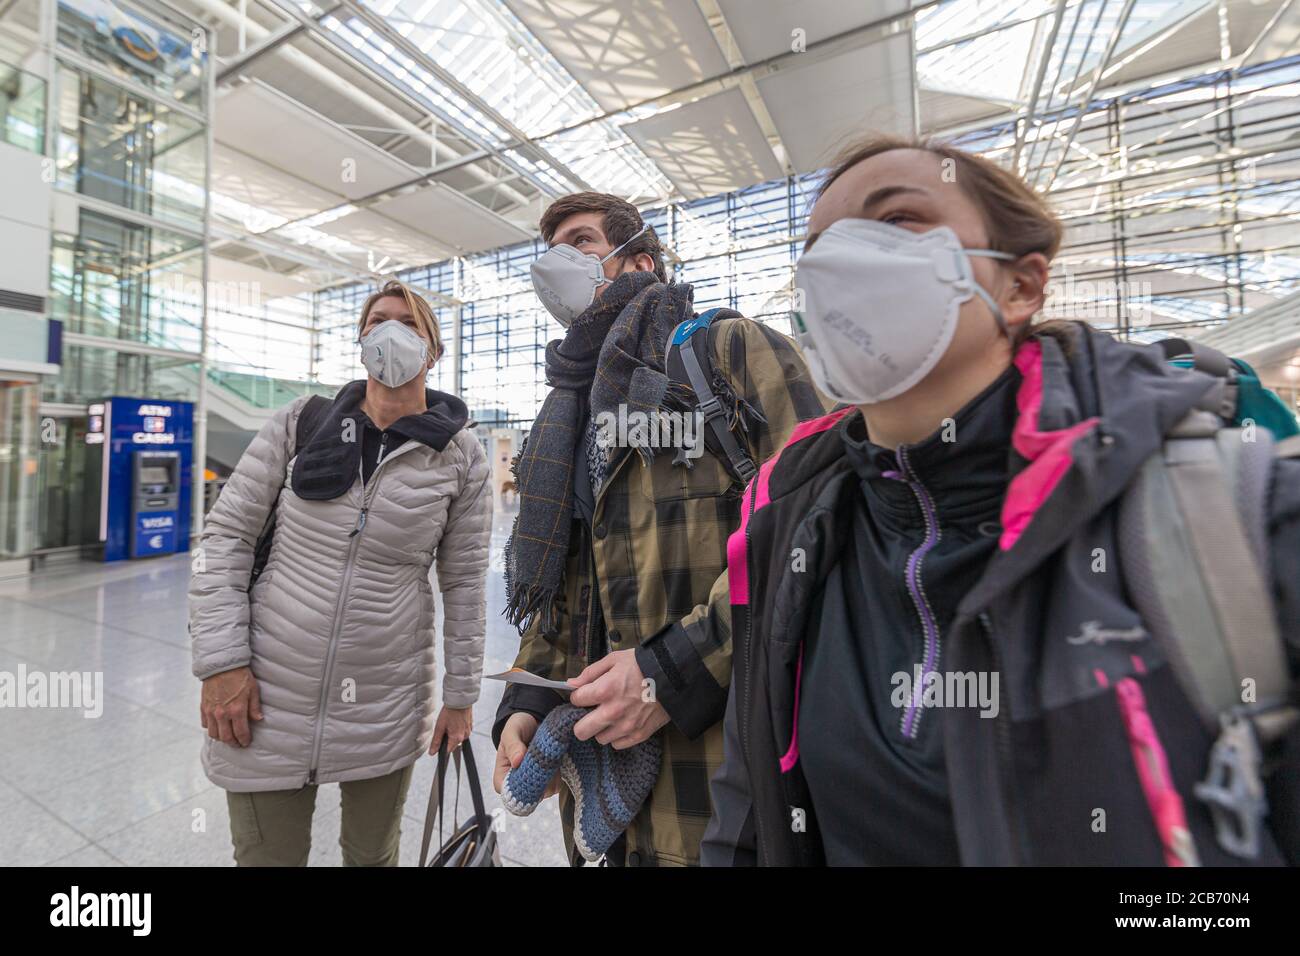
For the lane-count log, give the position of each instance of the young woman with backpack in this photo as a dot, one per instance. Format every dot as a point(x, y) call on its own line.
point(960, 636)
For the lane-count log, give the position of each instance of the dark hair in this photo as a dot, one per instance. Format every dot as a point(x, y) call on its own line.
point(620, 222)
point(1018, 220)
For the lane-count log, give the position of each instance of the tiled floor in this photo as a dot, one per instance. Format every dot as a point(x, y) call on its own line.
point(126, 788)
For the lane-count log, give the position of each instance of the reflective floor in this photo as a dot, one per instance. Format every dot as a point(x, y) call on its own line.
point(126, 788)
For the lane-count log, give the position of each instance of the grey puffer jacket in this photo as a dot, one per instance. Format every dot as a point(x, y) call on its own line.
point(339, 628)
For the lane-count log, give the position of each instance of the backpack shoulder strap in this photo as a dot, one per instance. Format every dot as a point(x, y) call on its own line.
point(309, 420)
point(697, 360)
point(1195, 557)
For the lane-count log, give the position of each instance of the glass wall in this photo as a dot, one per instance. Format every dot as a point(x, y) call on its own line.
point(19, 448)
point(144, 50)
point(130, 145)
point(120, 147)
point(737, 250)
point(122, 280)
point(22, 108)
point(1180, 205)
point(1180, 202)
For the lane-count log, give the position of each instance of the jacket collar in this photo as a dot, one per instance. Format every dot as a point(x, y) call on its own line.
point(1085, 422)
point(330, 461)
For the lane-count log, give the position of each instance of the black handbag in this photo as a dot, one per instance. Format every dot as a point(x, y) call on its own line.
point(472, 843)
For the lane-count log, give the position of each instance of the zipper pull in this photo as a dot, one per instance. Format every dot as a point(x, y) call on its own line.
point(383, 445)
point(361, 523)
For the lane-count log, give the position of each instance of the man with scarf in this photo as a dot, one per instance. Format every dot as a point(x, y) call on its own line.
point(614, 552)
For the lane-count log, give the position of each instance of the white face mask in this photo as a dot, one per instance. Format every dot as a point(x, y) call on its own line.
point(393, 353)
point(881, 305)
point(566, 280)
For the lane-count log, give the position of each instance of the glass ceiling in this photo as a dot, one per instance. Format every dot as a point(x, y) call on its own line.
point(490, 52)
point(990, 49)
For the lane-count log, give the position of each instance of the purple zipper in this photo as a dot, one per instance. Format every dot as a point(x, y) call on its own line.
point(930, 656)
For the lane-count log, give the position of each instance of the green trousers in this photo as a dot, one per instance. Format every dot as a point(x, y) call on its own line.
point(273, 827)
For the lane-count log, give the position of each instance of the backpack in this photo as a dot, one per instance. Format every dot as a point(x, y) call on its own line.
point(1194, 544)
point(689, 361)
point(1246, 397)
point(309, 420)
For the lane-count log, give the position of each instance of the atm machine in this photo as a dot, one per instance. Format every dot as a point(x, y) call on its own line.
point(144, 475)
point(155, 502)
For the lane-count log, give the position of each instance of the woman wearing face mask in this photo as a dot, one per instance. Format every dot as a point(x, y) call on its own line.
point(323, 671)
point(934, 663)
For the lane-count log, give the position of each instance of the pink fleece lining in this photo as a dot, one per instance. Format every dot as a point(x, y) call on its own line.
point(1153, 770)
point(737, 559)
point(1050, 453)
point(791, 756)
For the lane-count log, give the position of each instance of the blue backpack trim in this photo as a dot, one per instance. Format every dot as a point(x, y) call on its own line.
point(688, 328)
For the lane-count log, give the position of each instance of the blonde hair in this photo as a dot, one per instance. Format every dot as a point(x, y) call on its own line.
point(425, 322)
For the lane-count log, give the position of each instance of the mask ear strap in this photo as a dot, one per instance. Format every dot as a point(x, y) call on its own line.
point(984, 294)
point(643, 228)
point(994, 308)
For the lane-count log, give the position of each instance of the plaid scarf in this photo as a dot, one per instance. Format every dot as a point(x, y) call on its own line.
point(612, 355)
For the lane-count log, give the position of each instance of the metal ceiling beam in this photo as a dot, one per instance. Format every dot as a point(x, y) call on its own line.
point(398, 39)
point(853, 39)
point(322, 74)
point(1057, 85)
point(717, 23)
point(1092, 88)
point(1269, 27)
point(1023, 126)
point(983, 32)
point(232, 66)
point(367, 68)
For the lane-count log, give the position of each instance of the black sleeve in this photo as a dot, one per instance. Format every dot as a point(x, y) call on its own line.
point(538, 701)
point(729, 838)
point(1284, 543)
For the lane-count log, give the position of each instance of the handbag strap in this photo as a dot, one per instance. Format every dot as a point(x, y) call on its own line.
point(435, 805)
point(475, 792)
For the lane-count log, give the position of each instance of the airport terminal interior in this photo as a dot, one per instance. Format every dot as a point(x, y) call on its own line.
point(196, 196)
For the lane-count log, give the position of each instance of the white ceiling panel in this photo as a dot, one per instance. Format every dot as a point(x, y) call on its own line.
point(385, 237)
point(708, 147)
point(1196, 43)
point(1278, 40)
point(263, 187)
point(456, 221)
point(818, 108)
point(269, 285)
point(941, 110)
point(260, 121)
point(765, 28)
point(622, 53)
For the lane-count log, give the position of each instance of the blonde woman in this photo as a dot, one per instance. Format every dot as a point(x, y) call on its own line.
point(321, 670)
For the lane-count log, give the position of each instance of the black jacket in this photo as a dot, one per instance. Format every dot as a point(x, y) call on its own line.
point(1052, 779)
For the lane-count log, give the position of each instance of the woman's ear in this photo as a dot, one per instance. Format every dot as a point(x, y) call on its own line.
point(1028, 289)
